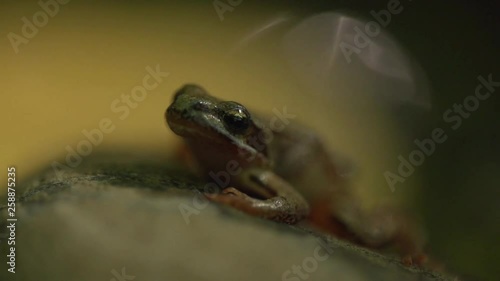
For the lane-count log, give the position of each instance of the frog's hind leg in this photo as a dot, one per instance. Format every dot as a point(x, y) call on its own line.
point(383, 228)
point(287, 206)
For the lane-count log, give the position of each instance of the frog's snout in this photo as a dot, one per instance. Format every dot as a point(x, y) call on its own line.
point(172, 114)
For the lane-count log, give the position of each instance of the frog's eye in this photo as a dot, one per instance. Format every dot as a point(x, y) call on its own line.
point(236, 118)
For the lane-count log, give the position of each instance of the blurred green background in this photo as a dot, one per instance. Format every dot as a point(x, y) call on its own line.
point(66, 77)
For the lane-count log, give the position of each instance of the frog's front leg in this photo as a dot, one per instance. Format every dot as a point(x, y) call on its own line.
point(284, 205)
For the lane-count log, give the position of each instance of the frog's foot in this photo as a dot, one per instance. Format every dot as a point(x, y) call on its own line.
point(409, 243)
point(321, 218)
point(276, 208)
point(417, 259)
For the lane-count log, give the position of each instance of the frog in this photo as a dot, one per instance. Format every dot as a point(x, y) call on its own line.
point(283, 173)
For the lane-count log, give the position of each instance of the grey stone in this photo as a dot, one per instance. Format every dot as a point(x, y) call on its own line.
point(119, 218)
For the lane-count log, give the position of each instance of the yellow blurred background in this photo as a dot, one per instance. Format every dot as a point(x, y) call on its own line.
point(66, 78)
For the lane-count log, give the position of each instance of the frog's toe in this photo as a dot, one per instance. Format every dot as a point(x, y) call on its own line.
point(230, 191)
point(228, 195)
point(233, 192)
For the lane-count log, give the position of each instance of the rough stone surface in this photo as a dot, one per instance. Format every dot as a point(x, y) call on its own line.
point(118, 218)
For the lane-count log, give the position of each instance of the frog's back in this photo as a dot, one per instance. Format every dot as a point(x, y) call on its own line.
point(300, 157)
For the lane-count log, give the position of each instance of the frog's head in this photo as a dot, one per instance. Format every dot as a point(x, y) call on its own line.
point(199, 117)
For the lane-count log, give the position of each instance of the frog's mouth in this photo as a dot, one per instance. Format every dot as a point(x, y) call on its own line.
point(194, 132)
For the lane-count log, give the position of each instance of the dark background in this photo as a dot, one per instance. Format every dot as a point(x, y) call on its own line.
point(455, 42)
